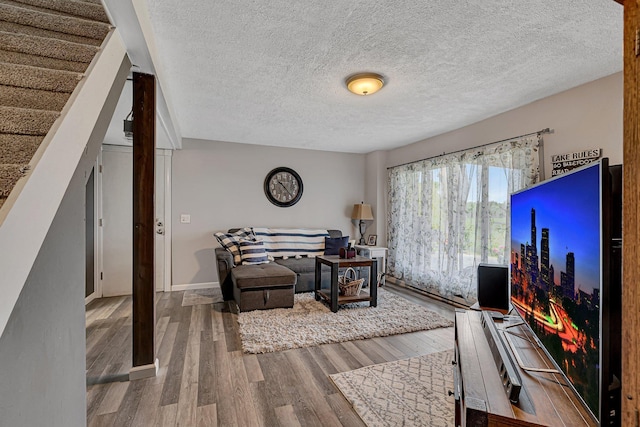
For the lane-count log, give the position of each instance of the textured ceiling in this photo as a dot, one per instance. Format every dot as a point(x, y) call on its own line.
point(272, 72)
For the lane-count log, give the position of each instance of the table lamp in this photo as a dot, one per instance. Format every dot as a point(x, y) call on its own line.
point(362, 213)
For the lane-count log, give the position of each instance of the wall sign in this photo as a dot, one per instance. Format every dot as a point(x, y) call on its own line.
point(562, 163)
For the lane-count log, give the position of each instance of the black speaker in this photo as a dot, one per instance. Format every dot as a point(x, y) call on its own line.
point(493, 286)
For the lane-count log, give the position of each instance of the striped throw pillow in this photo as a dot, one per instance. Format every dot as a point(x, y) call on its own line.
point(252, 252)
point(231, 241)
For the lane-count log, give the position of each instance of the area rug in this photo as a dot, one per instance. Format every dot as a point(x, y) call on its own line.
point(311, 322)
point(410, 392)
point(202, 296)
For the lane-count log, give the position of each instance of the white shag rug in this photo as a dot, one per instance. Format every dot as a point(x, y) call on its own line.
point(410, 392)
point(311, 322)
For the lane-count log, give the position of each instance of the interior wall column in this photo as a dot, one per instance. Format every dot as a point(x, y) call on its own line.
point(375, 193)
point(631, 219)
point(145, 363)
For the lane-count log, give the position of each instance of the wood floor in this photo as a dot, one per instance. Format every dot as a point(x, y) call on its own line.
point(206, 380)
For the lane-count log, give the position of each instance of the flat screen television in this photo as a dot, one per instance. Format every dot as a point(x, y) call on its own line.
point(565, 275)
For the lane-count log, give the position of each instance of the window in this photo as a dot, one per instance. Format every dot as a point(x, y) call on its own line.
point(449, 213)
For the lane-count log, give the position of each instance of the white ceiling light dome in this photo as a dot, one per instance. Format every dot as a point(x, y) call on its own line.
point(364, 83)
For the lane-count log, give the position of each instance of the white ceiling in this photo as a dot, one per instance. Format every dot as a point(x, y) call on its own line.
point(272, 72)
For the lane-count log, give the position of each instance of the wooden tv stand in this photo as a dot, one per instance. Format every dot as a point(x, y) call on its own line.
point(545, 399)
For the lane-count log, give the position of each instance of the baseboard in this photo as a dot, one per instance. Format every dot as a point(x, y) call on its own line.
point(191, 286)
point(401, 284)
point(144, 371)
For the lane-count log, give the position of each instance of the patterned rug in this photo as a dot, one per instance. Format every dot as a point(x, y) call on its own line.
point(311, 322)
point(202, 296)
point(410, 392)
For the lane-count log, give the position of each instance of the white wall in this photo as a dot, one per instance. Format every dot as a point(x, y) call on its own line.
point(375, 192)
point(43, 347)
point(588, 116)
point(220, 185)
point(42, 352)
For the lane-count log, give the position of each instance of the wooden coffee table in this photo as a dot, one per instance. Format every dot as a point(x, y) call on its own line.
point(331, 295)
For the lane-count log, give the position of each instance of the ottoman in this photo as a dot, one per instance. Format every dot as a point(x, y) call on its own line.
point(263, 286)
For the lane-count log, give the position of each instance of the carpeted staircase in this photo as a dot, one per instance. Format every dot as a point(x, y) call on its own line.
point(45, 47)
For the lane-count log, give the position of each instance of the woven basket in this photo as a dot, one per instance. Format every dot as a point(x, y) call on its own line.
point(350, 286)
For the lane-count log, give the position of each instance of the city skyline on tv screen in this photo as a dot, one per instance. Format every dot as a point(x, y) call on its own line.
point(570, 208)
point(555, 272)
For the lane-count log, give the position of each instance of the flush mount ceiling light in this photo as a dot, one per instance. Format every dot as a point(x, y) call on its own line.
point(364, 83)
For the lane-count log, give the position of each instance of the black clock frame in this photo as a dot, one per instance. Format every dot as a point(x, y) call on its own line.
point(270, 196)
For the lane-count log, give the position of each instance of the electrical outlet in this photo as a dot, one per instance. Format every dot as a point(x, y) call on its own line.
point(185, 219)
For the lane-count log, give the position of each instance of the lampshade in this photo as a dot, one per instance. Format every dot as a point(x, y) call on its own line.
point(365, 83)
point(362, 211)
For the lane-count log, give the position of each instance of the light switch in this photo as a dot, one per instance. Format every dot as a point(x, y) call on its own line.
point(185, 219)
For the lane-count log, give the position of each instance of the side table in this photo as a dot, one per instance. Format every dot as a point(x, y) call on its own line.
point(375, 252)
point(332, 295)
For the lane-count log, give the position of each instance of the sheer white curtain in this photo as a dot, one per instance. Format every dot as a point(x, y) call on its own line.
point(449, 213)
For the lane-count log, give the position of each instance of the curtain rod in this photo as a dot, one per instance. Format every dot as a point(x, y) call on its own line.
point(540, 132)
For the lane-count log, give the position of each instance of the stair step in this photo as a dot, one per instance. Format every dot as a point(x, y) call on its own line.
point(49, 48)
point(22, 121)
point(56, 26)
point(81, 9)
point(41, 62)
point(20, 97)
point(9, 175)
point(38, 78)
point(10, 27)
point(45, 47)
point(18, 149)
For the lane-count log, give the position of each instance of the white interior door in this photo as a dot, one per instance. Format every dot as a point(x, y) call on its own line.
point(117, 207)
point(163, 222)
point(117, 213)
point(92, 280)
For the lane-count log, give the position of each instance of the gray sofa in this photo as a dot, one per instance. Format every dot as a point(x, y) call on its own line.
point(268, 285)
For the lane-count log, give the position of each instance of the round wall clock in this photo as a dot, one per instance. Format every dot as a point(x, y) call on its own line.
point(283, 187)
